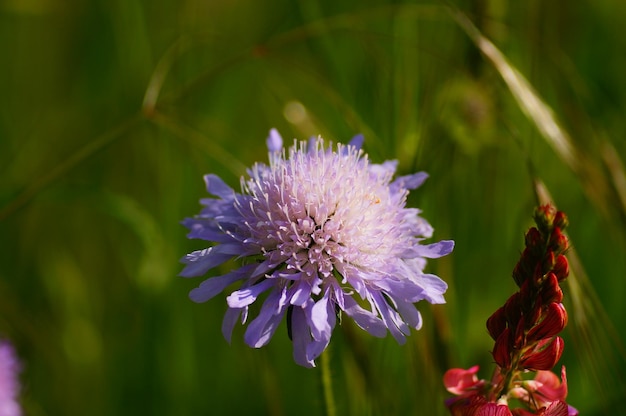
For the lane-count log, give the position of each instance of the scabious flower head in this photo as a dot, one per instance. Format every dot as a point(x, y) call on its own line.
point(321, 231)
point(9, 384)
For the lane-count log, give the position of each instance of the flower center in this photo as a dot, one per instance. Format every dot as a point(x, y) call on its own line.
point(320, 208)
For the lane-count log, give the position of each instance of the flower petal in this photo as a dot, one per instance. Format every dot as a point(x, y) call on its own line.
point(216, 186)
point(365, 319)
point(201, 261)
point(409, 313)
point(413, 181)
point(399, 289)
point(322, 317)
point(433, 288)
point(433, 251)
point(389, 316)
point(206, 229)
point(357, 141)
point(274, 141)
point(246, 296)
point(301, 338)
point(462, 382)
point(262, 328)
point(230, 319)
point(214, 285)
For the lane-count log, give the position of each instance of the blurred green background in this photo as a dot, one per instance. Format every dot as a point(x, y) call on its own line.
point(111, 112)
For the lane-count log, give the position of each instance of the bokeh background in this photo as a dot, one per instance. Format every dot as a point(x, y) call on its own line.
point(111, 112)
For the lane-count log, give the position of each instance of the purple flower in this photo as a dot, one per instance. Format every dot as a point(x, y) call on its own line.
point(321, 231)
point(9, 384)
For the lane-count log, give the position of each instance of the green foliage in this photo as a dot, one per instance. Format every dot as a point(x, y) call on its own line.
point(113, 111)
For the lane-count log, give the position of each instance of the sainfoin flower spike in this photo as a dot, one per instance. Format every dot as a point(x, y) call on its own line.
point(9, 382)
point(525, 330)
point(318, 232)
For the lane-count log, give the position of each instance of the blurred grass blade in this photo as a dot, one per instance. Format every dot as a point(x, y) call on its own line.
point(199, 140)
point(160, 72)
point(53, 173)
point(616, 170)
point(528, 100)
point(599, 189)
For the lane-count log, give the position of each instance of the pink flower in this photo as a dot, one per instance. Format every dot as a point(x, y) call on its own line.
point(9, 382)
point(478, 406)
point(549, 387)
point(557, 408)
point(547, 390)
point(462, 382)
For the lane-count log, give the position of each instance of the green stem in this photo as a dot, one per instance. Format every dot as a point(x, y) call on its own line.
point(327, 385)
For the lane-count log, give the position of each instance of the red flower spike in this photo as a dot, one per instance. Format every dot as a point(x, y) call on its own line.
point(496, 323)
point(555, 319)
point(561, 267)
point(544, 356)
point(525, 332)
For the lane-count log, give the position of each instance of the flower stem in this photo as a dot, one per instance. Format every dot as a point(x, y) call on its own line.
point(327, 385)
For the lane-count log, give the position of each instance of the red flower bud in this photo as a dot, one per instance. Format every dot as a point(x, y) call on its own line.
point(525, 266)
point(549, 260)
point(496, 323)
point(544, 217)
point(477, 406)
point(551, 291)
point(554, 320)
point(558, 241)
point(513, 309)
point(534, 240)
point(560, 220)
point(535, 313)
point(518, 274)
point(561, 267)
point(544, 356)
point(518, 339)
point(502, 349)
point(526, 295)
